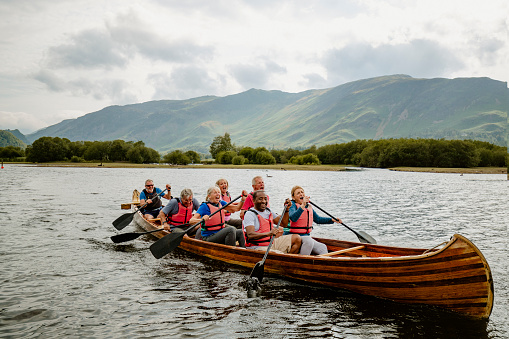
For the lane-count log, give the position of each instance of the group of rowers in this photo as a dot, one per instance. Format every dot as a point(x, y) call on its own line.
point(255, 227)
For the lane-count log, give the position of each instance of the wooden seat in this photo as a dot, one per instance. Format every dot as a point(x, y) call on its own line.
point(330, 254)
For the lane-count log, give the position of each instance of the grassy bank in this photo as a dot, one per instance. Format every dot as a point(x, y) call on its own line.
point(284, 167)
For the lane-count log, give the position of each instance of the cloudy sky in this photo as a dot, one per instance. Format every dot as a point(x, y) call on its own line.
point(61, 59)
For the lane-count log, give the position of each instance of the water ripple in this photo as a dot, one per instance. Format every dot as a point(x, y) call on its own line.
point(61, 276)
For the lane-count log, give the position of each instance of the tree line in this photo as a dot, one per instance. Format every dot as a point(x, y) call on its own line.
point(46, 149)
point(365, 153)
point(11, 152)
point(382, 153)
point(414, 153)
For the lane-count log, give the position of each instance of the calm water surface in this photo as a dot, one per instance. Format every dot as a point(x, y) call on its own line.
point(61, 275)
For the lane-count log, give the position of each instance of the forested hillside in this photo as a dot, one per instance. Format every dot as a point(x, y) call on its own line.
point(7, 138)
point(396, 106)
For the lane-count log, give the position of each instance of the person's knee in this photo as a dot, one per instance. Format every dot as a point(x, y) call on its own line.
point(319, 248)
point(296, 239)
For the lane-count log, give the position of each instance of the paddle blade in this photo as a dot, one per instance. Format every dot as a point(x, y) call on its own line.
point(253, 287)
point(365, 238)
point(166, 244)
point(123, 220)
point(125, 237)
point(257, 271)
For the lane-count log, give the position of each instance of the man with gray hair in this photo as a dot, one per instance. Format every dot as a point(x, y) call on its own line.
point(258, 185)
point(179, 211)
point(150, 197)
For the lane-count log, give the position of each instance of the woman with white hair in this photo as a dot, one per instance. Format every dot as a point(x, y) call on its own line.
point(213, 228)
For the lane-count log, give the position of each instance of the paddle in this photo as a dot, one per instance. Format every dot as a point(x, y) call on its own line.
point(257, 271)
point(131, 236)
point(171, 241)
point(363, 236)
point(126, 219)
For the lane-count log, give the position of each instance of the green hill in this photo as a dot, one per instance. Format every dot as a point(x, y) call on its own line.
point(7, 138)
point(384, 107)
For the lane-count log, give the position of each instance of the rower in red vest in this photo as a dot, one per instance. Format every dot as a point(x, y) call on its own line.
point(258, 185)
point(258, 226)
point(179, 211)
point(213, 227)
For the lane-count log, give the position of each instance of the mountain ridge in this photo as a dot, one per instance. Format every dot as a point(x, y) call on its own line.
point(382, 107)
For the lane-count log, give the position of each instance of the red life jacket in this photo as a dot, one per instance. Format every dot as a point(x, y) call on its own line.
point(216, 222)
point(304, 224)
point(226, 198)
point(265, 226)
point(183, 215)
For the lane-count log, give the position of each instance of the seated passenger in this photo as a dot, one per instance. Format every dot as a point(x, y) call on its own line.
point(258, 226)
point(302, 217)
point(150, 196)
point(225, 195)
point(258, 184)
point(213, 228)
point(179, 211)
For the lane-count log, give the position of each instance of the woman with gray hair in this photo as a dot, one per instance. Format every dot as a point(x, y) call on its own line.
point(213, 228)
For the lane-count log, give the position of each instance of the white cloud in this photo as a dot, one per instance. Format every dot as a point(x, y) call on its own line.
point(419, 58)
point(86, 54)
point(255, 75)
point(28, 123)
point(88, 49)
point(183, 83)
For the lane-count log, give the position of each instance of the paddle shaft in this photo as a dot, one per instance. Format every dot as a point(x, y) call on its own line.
point(146, 203)
point(272, 238)
point(171, 241)
point(191, 227)
point(356, 233)
point(134, 235)
point(125, 219)
point(262, 262)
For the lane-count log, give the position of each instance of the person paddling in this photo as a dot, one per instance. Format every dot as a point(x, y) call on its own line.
point(302, 217)
point(258, 226)
point(179, 211)
point(150, 196)
point(213, 228)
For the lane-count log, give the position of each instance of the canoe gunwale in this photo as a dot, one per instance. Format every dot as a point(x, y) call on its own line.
point(337, 271)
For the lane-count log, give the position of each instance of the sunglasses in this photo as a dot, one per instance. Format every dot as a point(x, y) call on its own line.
point(149, 185)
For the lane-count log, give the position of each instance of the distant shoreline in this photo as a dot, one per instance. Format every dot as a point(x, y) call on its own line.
point(473, 170)
point(283, 167)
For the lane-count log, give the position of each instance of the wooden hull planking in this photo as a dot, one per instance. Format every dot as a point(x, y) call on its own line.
point(455, 277)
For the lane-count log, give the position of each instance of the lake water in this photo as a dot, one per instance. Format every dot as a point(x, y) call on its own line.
point(61, 276)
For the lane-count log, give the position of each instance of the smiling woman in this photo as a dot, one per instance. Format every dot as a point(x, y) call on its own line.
point(213, 228)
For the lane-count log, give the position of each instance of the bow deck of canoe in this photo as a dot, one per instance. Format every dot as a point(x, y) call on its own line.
point(455, 277)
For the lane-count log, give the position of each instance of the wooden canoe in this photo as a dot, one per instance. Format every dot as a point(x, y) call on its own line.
point(455, 277)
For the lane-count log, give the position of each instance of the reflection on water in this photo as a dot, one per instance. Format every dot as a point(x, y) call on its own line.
point(62, 276)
